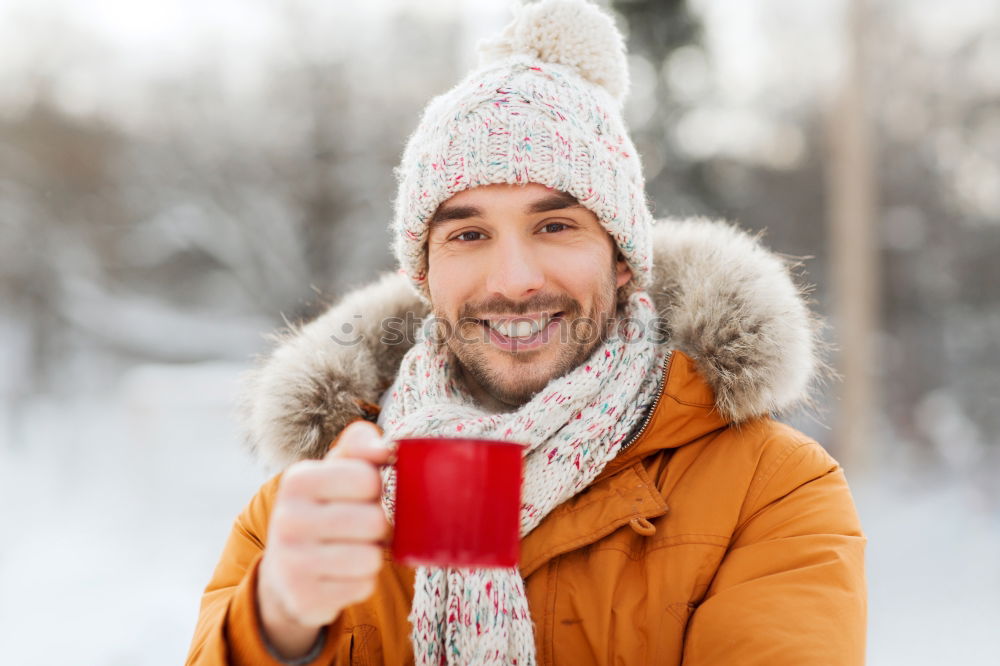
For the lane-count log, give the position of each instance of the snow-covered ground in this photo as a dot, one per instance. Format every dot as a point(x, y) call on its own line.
point(114, 509)
point(933, 566)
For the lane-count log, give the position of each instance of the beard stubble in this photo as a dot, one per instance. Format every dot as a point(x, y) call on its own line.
point(579, 334)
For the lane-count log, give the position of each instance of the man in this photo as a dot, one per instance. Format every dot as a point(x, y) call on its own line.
point(665, 518)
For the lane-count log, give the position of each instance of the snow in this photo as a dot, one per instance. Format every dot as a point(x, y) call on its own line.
point(933, 566)
point(116, 508)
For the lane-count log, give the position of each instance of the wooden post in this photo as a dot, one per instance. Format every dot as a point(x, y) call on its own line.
point(854, 250)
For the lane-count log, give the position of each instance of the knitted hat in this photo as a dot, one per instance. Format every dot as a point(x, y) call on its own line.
point(544, 107)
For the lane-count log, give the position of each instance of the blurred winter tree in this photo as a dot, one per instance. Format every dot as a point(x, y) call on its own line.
point(180, 222)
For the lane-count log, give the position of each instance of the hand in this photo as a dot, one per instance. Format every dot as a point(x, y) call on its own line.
point(322, 551)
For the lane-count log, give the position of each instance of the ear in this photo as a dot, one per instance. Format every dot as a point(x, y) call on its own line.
point(623, 273)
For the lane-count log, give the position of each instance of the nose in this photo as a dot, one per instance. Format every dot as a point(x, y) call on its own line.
point(514, 272)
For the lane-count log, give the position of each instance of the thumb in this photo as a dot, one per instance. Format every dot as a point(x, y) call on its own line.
point(360, 439)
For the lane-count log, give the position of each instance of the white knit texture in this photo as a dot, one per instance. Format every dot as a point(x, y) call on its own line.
point(549, 112)
point(566, 32)
point(572, 428)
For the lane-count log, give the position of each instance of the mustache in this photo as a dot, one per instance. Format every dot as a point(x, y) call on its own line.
point(498, 305)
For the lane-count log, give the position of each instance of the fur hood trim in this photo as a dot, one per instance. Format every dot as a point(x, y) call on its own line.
point(729, 303)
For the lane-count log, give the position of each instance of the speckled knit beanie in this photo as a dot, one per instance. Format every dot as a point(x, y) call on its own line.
point(544, 106)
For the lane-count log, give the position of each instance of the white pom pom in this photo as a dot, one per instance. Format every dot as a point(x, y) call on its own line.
point(575, 33)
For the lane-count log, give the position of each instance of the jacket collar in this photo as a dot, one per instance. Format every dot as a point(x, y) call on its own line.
point(745, 345)
point(686, 411)
point(624, 491)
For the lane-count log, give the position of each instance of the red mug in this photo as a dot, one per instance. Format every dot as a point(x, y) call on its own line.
point(458, 502)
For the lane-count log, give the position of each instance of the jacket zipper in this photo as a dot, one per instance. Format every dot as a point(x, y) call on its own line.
point(656, 401)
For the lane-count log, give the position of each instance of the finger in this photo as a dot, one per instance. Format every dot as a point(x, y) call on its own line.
point(360, 439)
point(315, 604)
point(339, 560)
point(341, 479)
point(345, 591)
point(335, 521)
point(350, 591)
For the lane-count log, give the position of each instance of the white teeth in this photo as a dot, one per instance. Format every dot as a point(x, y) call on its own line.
point(522, 328)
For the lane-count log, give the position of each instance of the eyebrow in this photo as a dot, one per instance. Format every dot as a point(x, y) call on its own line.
point(555, 201)
point(447, 213)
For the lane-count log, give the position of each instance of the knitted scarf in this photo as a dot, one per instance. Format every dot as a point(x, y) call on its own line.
point(572, 428)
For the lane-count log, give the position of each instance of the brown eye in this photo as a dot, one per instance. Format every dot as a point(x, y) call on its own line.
point(469, 236)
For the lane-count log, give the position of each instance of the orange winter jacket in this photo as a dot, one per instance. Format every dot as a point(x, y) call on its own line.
point(700, 544)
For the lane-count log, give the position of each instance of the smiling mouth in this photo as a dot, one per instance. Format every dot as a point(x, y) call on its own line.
point(520, 328)
point(523, 333)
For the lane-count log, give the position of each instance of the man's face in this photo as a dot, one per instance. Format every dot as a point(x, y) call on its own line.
point(526, 279)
